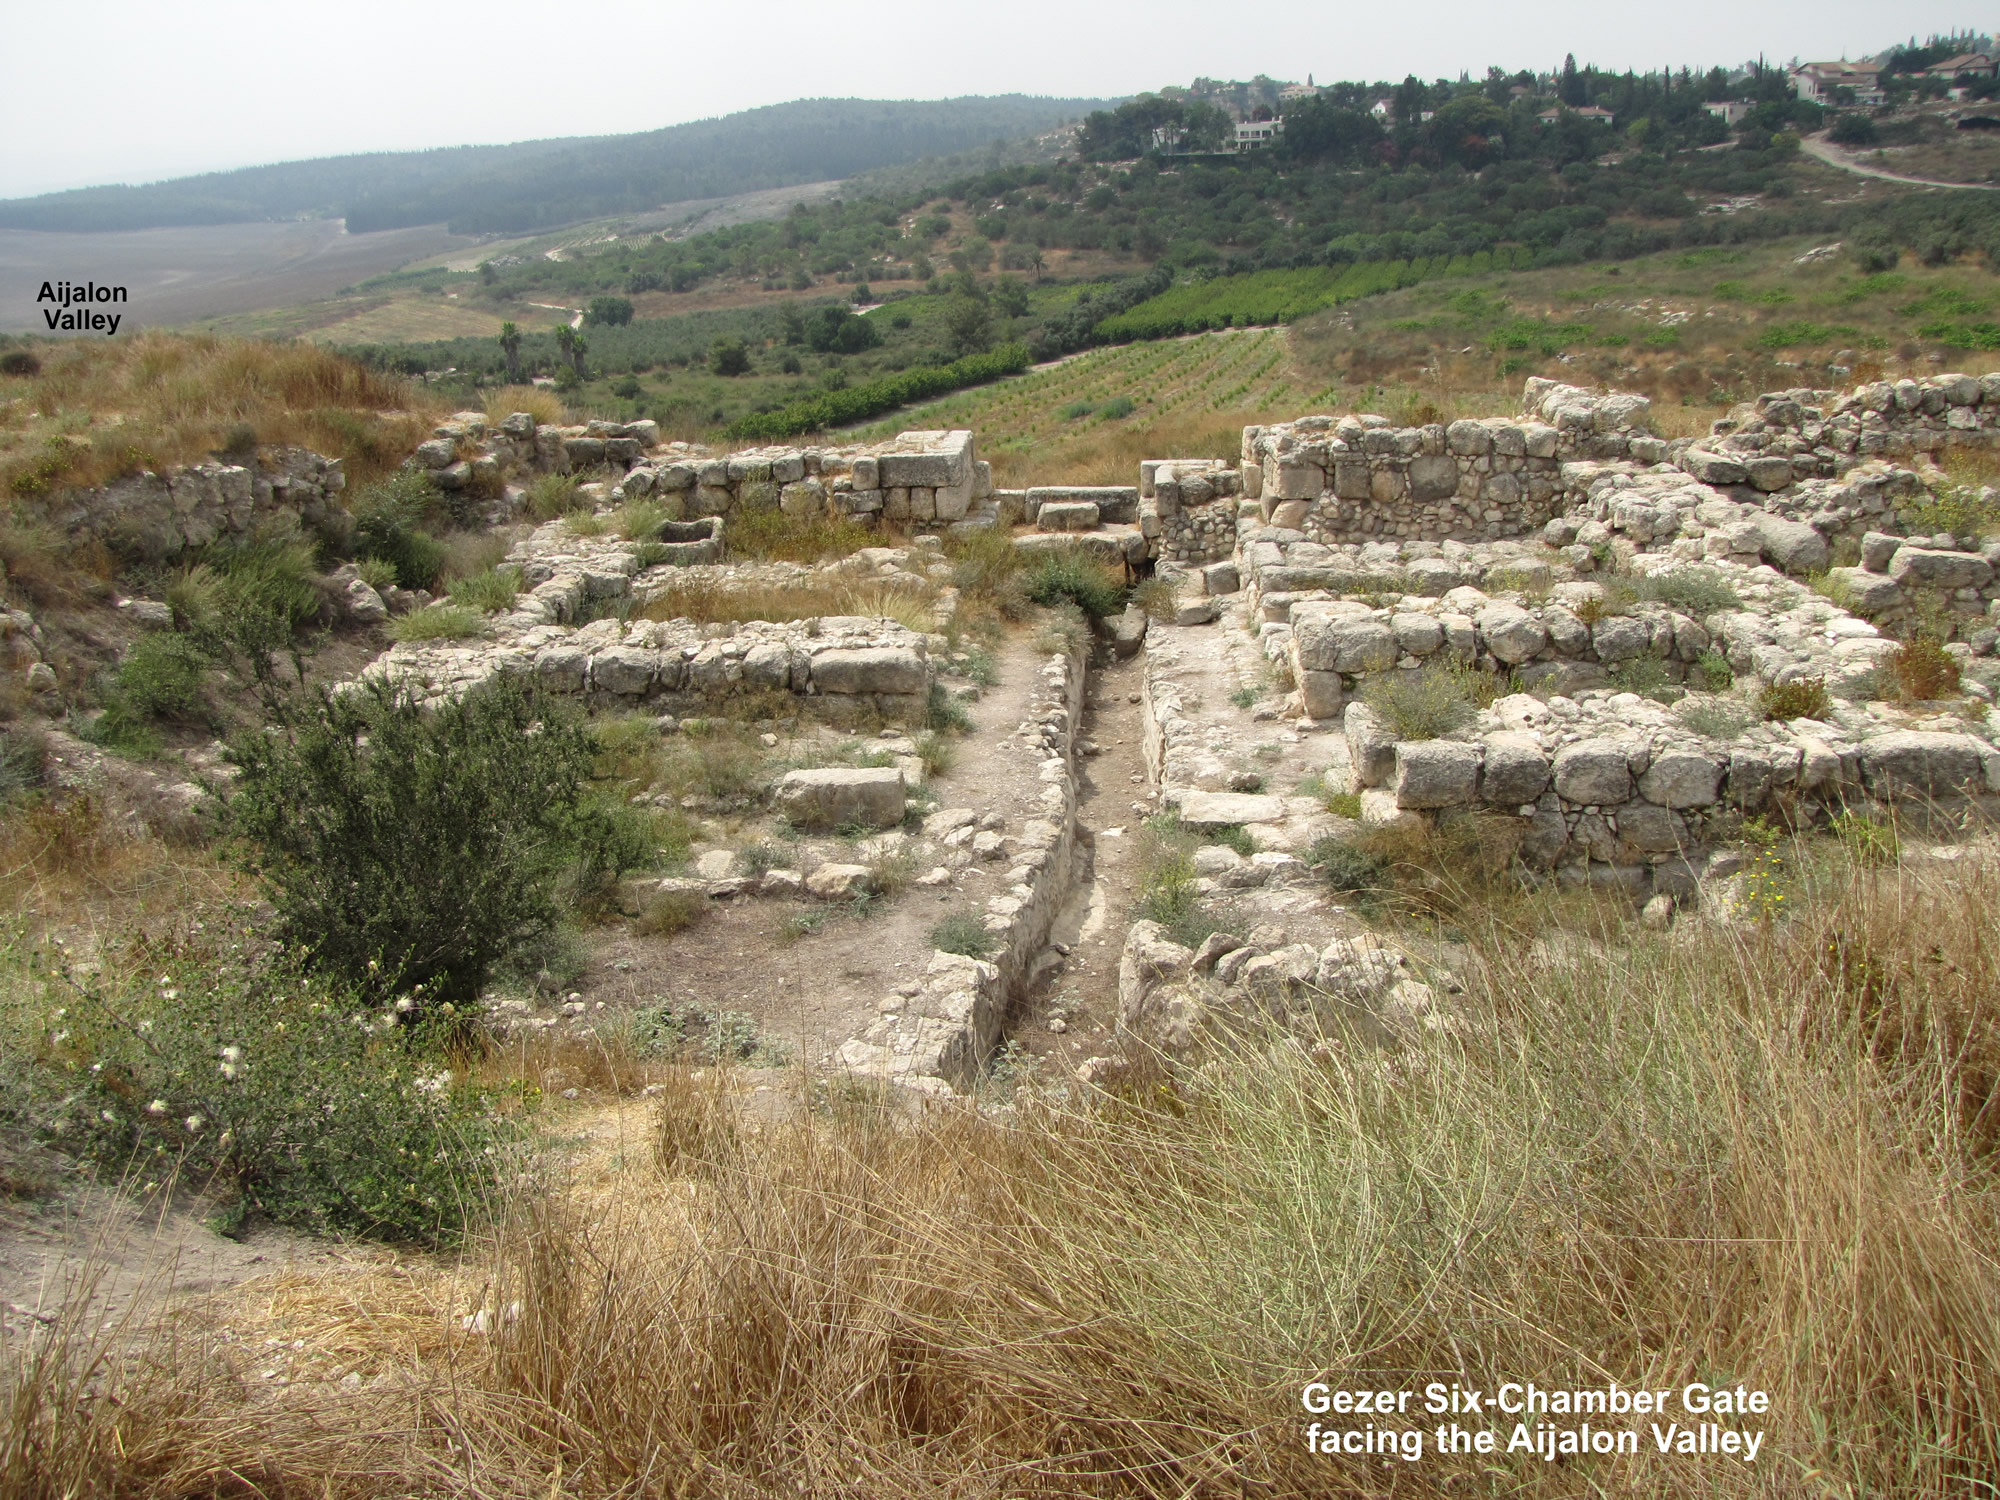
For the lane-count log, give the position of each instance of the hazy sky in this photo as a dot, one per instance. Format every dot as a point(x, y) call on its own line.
point(96, 91)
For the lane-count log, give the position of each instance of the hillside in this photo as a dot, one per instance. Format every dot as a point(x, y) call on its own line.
point(539, 184)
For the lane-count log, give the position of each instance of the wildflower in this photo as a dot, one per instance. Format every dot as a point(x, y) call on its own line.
point(145, 1025)
point(405, 1005)
point(157, 1107)
point(228, 1070)
point(194, 1123)
point(232, 1054)
point(58, 1038)
point(107, 1116)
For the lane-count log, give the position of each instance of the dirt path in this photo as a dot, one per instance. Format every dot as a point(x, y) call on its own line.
point(814, 989)
point(1821, 149)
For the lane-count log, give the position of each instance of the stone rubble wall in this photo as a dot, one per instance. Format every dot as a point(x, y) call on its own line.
point(1187, 509)
point(849, 665)
point(156, 516)
point(1359, 478)
point(944, 1036)
point(915, 478)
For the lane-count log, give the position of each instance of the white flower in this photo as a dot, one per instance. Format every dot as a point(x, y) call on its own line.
point(145, 1025)
point(227, 1070)
point(232, 1054)
point(194, 1123)
point(58, 1038)
point(157, 1107)
point(405, 1005)
point(107, 1117)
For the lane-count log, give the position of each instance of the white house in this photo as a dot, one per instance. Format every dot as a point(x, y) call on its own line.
point(1817, 81)
point(1729, 111)
point(1253, 135)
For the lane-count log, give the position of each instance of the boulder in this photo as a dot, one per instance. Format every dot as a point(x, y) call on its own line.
point(840, 882)
point(1515, 772)
point(1682, 778)
point(1436, 773)
point(1206, 810)
point(1594, 773)
point(1371, 745)
point(1791, 546)
point(1067, 515)
point(1864, 592)
point(1149, 959)
point(1328, 639)
point(869, 669)
point(1926, 567)
point(1877, 548)
point(1512, 634)
point(1923, 763)
point(871, 797)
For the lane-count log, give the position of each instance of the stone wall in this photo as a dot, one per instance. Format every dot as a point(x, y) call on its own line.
point(154, 516)
point(947, 1031)
point(1187, 509)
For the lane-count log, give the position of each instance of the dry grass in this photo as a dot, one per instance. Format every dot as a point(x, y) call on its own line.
point(1726, 1155)
point(707, 598)
point(545, 406)
point(107, 407)
point(1110, 453)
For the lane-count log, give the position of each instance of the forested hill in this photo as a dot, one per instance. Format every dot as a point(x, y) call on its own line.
point(540, 184)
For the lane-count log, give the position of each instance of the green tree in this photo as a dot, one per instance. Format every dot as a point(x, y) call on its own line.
point(611, 312)
point(968, 324)
point(573, 347)
point(510, 346)
point(729, 357)
point(409, 847)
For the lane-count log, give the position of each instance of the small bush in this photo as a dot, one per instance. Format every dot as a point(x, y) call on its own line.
point(1801, 698)
point(490, 592)
point(1712, 673)
point(408, 848)
point(20, 362)
point(670, 912)
point(1344, 867)
point(1648, 677)
point(943, 712)
point(1244, 697)
point(284, 1094)
point(549, 496)
point(440, 622)
point(1717, 718)
point(1698, 592)
point(378, 573)
point(1069, 575)
point(1426, 704)
point(936, 752)
point(390, 521)
point(1869, 841)
point(161, 678)
point(964, 933)
point(1924, 670)
point(774, 536)
point(639, 520)
point(1155, 596)
point(1117, 407)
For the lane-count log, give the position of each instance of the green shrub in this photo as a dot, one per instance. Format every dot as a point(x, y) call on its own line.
point(551, 495)
point(23, 761)
point(962, 932)
point(943, 711)
point(490, 592)
point(1694, 591)
point(936, 752)
point(440, 622)
point(1869, 840)
point(1801, 698)
point(1716, 717)
point(1069, 575)
point(871, 398)
point(639, 520)
point(161, 678)
point(378, 573)
point(1648, 677)
point(1712, 673)
point(1924, 670)
point(1344, 867)
point(408, 848)
point(1426, 704)
point(1117, 407)
point(277, 1091)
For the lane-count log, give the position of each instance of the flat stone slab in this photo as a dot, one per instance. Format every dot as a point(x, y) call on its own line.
point(837, 796)
point(1228, 809)
point(1067, 515)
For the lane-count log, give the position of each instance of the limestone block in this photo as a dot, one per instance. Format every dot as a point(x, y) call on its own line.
point(1326, 641)
point(804, 499)
point(625, 670)
point(1769, 473)
point(1791, 546)
point(1417, 634)
point(1207, 810)
point(1435, 773)
point(1925, 567)
point(1073, 515)
point(837, 796)
point(1351, 479)
point(1650, 829)
point(1681, 779)
point(869, 669)
point(832, 882)
point(1512, 634)
point(1620, 638)
point(1864, 592)
point(1713, 468)
point(1379, 809)
point(561, 667)
point(436, 453)
point(1148, 960)
point(1371, 746)
point(946, 461)
point(1319, 694)
point(1468, 437)
point(1221, 578)
point(1877, 548)
point(1594, 772)
point(1922, 763)
point(1515, 772)
point(1433, 477)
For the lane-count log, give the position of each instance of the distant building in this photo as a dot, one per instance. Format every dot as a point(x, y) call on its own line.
point(1381, 109)
point(1815, 82)
point(1295, 91)
point(1729, 111)
point(1254, 135)
point(1587, 112)
point(1967, 67)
